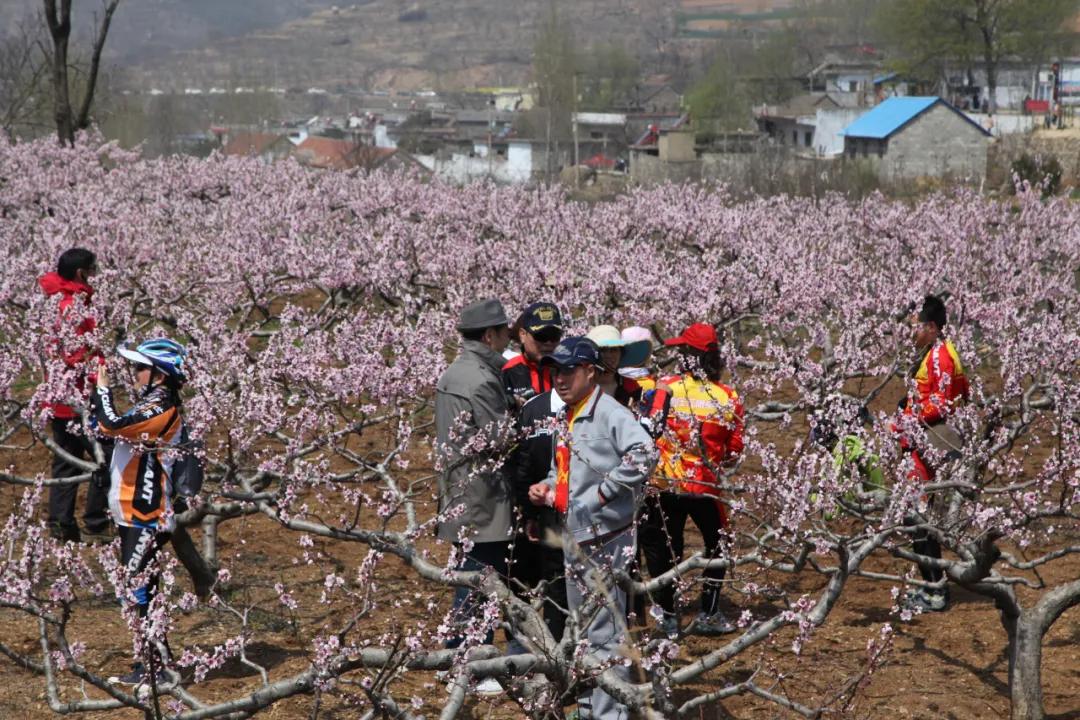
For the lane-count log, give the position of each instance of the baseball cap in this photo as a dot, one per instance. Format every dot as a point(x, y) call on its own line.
point(539, 316)
point(573, 351)
point(700, 336)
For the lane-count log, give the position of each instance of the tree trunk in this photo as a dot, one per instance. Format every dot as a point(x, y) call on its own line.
point(1026, 630)
point(991, 77)
point(987, 19)
point(60, 32)
point(1025, 669)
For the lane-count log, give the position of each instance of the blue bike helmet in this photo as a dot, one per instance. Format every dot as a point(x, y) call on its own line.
point(162, 354)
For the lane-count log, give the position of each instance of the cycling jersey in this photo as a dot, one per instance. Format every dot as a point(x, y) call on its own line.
point(140, 494)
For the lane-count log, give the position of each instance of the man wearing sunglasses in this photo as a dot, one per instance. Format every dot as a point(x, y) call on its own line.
point(538, 330)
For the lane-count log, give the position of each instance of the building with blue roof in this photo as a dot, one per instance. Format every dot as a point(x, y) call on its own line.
point(910, 137)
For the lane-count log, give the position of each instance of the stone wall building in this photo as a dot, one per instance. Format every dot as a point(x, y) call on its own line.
point(913, 137)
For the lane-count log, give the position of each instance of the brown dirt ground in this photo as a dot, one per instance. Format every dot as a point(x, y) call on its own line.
point(949, 665)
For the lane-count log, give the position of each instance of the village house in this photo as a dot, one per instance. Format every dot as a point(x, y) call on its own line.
point(849, 73)
point(325, 153)
point(268, 147)
point(811, 122)
point(911, 137)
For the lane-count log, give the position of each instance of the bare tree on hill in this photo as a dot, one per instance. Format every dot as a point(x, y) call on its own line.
point(58, 20)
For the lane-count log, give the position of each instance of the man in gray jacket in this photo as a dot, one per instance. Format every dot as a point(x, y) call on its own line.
point(602, 458)
point(473, 424)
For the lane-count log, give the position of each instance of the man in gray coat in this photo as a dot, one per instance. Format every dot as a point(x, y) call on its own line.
point(473, 424)
point(602, 458)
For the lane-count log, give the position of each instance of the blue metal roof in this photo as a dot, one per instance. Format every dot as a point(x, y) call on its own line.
point(889, 116)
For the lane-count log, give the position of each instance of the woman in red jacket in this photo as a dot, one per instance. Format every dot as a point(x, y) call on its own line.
point(71, 282)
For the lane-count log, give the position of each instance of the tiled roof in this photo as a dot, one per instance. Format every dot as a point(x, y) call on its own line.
point(250, 144)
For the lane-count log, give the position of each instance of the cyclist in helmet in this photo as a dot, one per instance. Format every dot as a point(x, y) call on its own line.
point(140, 495)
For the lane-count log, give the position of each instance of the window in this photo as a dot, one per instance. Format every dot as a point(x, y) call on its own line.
point(795, 137)
point(808, 138)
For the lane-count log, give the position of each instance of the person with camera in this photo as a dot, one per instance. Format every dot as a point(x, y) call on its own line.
point(71, 283)
point(143, 461)
point(939, 385)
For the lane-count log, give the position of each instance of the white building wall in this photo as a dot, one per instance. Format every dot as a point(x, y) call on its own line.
point(383, 139)
point(1007, 124)
point(828, 124)
point(515, 168)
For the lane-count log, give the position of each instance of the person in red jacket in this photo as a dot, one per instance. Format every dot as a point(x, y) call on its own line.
point(699, 424)
point(940, 384)
point(71, 282)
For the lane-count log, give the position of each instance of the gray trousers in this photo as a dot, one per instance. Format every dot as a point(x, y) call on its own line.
point(605, 632)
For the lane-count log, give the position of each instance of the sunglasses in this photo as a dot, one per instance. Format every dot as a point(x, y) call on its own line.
point(547, 335)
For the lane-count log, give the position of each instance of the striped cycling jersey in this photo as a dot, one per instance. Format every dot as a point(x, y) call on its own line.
point(140, 492)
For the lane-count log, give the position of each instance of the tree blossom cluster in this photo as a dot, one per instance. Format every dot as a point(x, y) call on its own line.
point(319, 311)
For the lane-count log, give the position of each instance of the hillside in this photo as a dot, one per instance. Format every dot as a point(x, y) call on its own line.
point(403, 44)
point(145, 29)
point(389, 43)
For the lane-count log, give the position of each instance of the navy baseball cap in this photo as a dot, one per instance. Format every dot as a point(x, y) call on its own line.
point(540, 316)
point(573, 351)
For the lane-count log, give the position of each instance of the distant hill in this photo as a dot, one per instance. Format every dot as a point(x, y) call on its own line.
point(403, 44)
point(438, 44)
point(148, 28)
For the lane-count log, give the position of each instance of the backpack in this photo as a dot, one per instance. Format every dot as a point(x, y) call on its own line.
point(187, 471)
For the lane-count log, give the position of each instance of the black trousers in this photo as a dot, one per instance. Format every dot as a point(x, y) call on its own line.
point(926, 544)
point(532, 563)
point(62, 497)
point(661, 538)
point(484, 555)
point(138, 547)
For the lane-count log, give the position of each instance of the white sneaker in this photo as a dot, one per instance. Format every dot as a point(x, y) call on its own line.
point(489, 686)
point(923, 600)
point(715, 624)
point(668, 623)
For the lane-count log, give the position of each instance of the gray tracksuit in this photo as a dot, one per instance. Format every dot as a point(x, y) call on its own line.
point(611, 456)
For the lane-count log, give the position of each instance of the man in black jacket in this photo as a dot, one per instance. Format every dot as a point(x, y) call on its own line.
point(533, 557)
point(538, 330)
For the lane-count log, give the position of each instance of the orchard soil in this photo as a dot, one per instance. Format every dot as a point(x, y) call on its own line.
point(945, 665)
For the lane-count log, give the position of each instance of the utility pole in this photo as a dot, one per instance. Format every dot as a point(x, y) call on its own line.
point(577, 158)
point(547, 149)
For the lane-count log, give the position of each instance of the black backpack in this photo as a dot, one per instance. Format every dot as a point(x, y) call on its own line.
point(188, 473)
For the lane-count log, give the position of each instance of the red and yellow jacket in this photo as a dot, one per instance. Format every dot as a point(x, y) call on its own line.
point(940, 383)
point(71, 290)
point(141, 491)
point(702, 430)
